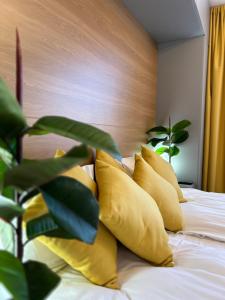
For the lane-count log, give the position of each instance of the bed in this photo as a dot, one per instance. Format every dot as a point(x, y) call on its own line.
point(199, 254)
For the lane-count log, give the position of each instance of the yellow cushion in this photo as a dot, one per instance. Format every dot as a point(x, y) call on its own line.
point(105, 157)
point(90, 260)
point(161, 191)
point(163, 168)
point(132, 215)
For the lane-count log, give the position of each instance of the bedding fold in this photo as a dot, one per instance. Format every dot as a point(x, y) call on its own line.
point(204, 214)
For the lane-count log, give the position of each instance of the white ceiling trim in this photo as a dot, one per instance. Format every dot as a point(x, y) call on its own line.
point(216, 2)
point(168, 20)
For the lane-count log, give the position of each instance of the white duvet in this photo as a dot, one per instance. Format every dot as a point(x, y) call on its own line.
point(199, 255)
point(204, 214)
point(199, 272)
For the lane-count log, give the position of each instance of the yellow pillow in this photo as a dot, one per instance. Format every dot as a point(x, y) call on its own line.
point(132, 215)
point(90, 260)
point(163, 168)
point(105, 157)
point(161, 191)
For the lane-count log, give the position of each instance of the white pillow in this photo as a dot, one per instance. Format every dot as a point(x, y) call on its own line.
point(89, 169)
point(35, 250)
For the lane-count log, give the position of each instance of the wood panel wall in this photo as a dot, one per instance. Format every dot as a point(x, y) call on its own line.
point(85, 59)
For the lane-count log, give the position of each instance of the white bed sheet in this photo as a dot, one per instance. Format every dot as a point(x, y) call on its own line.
point(204, 214)
point(199, 274)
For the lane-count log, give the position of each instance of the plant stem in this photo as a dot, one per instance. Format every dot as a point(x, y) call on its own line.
point(19, 249)
point(19, 95)
point(169, 140)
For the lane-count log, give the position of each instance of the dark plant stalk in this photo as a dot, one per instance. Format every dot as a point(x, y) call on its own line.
point(169, 139)
point(19, 87)
point(19, 96)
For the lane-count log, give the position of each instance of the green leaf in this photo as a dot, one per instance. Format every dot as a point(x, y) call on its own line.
point(78, 131)
point(45, 225)
point(73, 207)
point(9, 209)
point(162, 150)
point(158, 129)
point(174, 150)
point(180, 136)
point(6, 156)
point(12, 276)
point(7, 192)
point(156, 141)
point(41, 280)
point(12, 121)
point(166, 143)
point(181, 125)
point(33, 173)
point(7, 237)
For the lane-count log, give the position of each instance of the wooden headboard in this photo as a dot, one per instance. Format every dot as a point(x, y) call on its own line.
point(86, 59)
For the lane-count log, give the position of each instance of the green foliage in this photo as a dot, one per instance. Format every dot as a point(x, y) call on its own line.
point(11, 116)
point(179, 137)
point(6, 156)
point(181, 125)
point(26, 281)
point(169, 137)
point(75, 130)
point(73, 209)
point(72, 206)
point(158, 130)
point(161, 150)
point(40, 279)
point(45, 225)
point(9, 209)
point(12, 276)
point(155, 141)
point(33, 173)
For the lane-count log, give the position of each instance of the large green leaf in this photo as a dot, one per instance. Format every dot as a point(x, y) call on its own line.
point(73, 207)
point(12, 121)
point(33, 173)
point(156, 141)
point(174, 150)
point(12, 276)
point(78, 131)
point(162, 150)
point(9, 209)
point(181, 125)
point(41, 280)
point(6, 156)
point(158, 129)
point(180, 137)
point(45, 225)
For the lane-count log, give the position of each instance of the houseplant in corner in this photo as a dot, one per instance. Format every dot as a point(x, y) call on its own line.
point(169, 137)
point(33, 280)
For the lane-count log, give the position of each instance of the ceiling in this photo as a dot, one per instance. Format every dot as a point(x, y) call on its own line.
point(216, 2)
point(167, 21)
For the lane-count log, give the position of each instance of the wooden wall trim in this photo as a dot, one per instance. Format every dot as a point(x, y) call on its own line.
point(86, 59)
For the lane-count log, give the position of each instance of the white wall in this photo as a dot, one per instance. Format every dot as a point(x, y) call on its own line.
point(181, 94)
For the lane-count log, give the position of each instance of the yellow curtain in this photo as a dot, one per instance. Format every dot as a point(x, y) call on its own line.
point(214, 142)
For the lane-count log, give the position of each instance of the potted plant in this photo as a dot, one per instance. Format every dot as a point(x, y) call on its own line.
point(169, 137)
point(34, 280)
